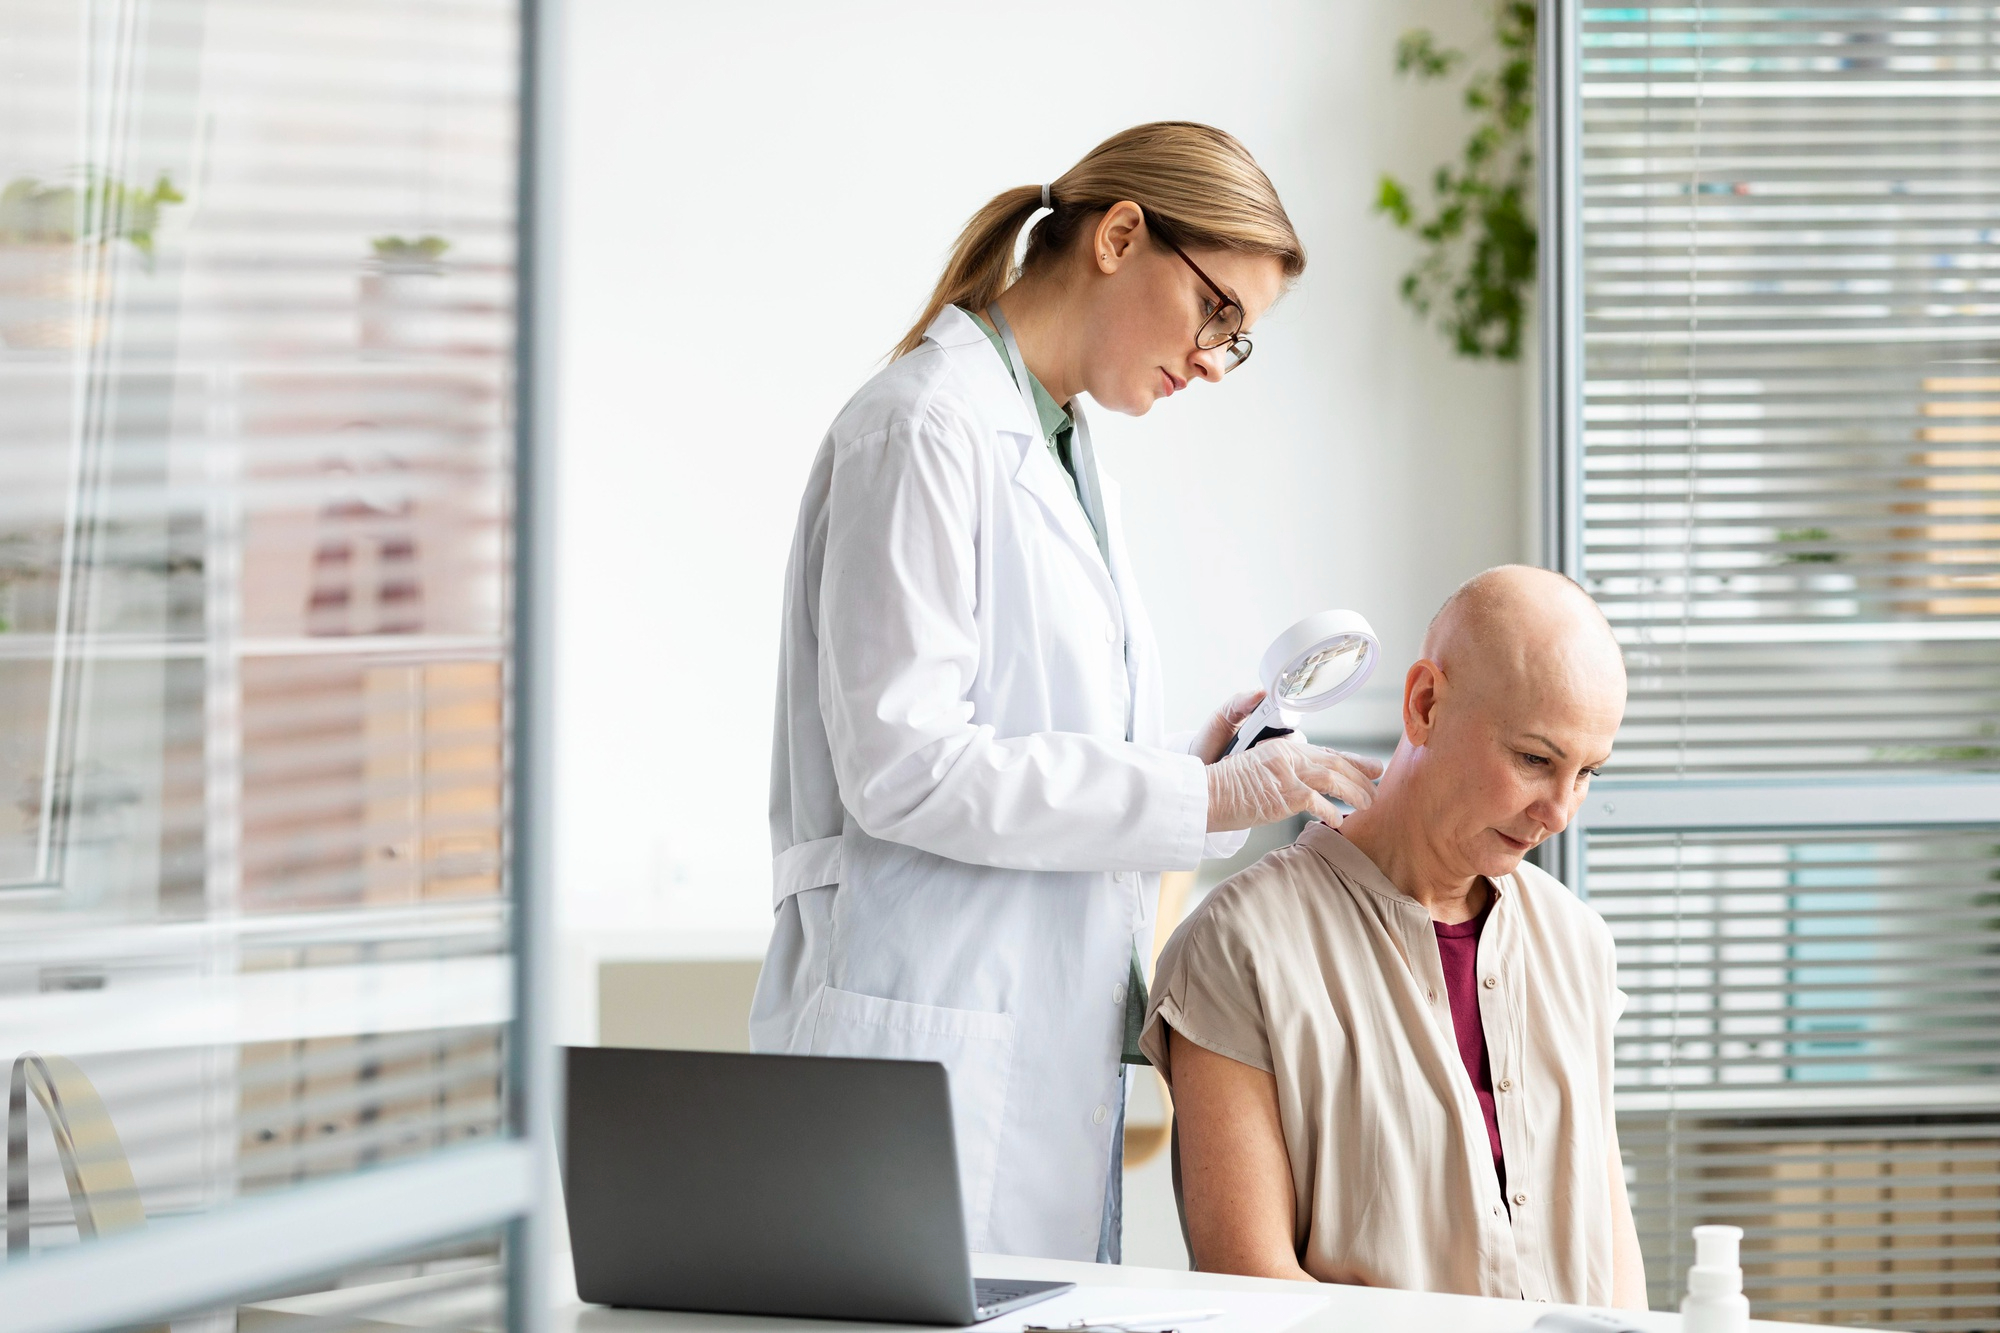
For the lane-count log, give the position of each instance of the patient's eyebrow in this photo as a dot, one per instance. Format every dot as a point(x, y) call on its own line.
point(1559, 751)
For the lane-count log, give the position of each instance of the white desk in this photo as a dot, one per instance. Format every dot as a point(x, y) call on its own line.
point(1349, 1310)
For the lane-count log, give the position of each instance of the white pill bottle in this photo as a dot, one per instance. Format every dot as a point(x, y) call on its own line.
point(1715, 1302)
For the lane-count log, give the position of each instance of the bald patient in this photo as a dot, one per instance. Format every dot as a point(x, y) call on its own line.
point(1390, 1044)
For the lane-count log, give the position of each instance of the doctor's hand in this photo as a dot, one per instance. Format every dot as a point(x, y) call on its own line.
point(1285, 777)
point(1216, 734)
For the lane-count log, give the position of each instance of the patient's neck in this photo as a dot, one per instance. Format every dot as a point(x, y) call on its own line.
point(1392, 834)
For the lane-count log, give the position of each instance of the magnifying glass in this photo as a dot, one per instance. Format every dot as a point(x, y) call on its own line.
point(1313, 665)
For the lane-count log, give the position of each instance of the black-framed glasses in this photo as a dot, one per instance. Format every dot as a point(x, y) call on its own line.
point(1224, 326)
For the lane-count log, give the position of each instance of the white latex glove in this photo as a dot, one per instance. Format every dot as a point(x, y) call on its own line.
point(1284, 777)
point(1216, 734)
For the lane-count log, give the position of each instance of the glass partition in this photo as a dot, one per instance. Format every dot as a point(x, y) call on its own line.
point(257, 351)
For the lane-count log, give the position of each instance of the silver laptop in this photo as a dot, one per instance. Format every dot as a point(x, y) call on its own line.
point(771, 1184)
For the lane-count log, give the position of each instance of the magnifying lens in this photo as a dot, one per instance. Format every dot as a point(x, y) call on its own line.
point(1313, 665)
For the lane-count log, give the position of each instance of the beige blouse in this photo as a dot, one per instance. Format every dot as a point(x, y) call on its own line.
point(1312, 966)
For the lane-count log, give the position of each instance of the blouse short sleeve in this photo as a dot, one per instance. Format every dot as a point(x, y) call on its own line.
point(1206, 989)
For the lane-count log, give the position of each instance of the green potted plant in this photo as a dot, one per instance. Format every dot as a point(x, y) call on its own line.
point(1475, 277)
point(402, 294)
point(54, 271)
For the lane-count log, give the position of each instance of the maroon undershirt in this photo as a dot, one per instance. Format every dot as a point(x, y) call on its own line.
point(1458, 949)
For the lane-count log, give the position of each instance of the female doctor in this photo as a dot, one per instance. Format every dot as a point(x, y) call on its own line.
point(971, 788)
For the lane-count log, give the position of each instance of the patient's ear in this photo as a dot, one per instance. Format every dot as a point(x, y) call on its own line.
point(1420, 700)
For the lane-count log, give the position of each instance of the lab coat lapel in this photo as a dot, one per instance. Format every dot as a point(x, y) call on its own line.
point(1121, 574)
point(1042, 477)
point(997, 398)
point(1141, 677)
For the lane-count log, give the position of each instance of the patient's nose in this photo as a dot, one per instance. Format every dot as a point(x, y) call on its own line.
point(1552, 814)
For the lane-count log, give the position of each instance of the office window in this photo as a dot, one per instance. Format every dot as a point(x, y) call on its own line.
point(1806, 962)
point(1776, 271)
point(257, 352)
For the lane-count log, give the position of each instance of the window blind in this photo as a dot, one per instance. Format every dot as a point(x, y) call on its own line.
point(1808, 1052)
point(1881, 1220)
point(257, 339)
point(1788, 286)
point(1791, 291)
point(1805, 961)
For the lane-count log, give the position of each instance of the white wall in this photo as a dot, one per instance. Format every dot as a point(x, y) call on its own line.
point(759, 196)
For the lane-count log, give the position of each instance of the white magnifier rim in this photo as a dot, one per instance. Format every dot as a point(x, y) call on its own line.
point(1291, 649)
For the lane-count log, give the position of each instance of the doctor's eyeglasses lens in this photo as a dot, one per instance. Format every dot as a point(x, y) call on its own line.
point(1223, 328)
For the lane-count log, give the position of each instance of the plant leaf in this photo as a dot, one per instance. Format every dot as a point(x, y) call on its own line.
point(1418, 53)
point(1393, 199)
point(1479, 242)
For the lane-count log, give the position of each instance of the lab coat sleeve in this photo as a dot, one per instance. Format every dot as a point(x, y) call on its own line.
point(1222, 846)
point(899, 651)
point(1218, 846)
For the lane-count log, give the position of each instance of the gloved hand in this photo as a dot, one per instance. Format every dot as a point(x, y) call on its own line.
point(1283, 777)
point(1220, 729)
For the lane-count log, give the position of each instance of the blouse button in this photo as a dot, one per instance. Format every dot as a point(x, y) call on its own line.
point(1506, 1085)
point(1490, 982)
point(1521, 1200)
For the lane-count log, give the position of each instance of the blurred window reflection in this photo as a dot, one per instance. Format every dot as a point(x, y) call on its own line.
point(256, 340)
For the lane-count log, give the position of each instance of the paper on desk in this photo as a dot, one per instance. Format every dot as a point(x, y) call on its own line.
point(1242, 1311)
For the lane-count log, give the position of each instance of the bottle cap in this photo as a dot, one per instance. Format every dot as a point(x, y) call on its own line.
point(1716, 1247)
point(1716, 1271)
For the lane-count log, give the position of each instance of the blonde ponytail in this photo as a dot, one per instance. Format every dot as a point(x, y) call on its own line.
point(1200, 188)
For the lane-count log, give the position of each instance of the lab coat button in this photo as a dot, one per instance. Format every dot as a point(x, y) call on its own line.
point(1490, 982)
point(1506, 1085)
point(1521, 1200)
point(1117, 995)
point(1111, 634)
point(1097, 1116)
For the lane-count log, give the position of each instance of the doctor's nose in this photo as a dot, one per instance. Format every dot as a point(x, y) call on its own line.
point(1209, 364)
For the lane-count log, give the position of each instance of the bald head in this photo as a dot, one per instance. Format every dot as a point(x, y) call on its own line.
point(1518, 632)
point(1508, 715)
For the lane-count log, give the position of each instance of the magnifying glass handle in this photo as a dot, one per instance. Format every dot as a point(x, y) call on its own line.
point(1264, 723)
point(1245, 741)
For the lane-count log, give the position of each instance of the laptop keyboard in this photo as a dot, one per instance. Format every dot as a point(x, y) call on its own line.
point(993, 1295)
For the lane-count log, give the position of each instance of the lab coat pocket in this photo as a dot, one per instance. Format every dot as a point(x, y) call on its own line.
point(975, 1047)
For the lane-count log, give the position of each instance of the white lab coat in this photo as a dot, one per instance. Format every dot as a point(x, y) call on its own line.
point(965, 844)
